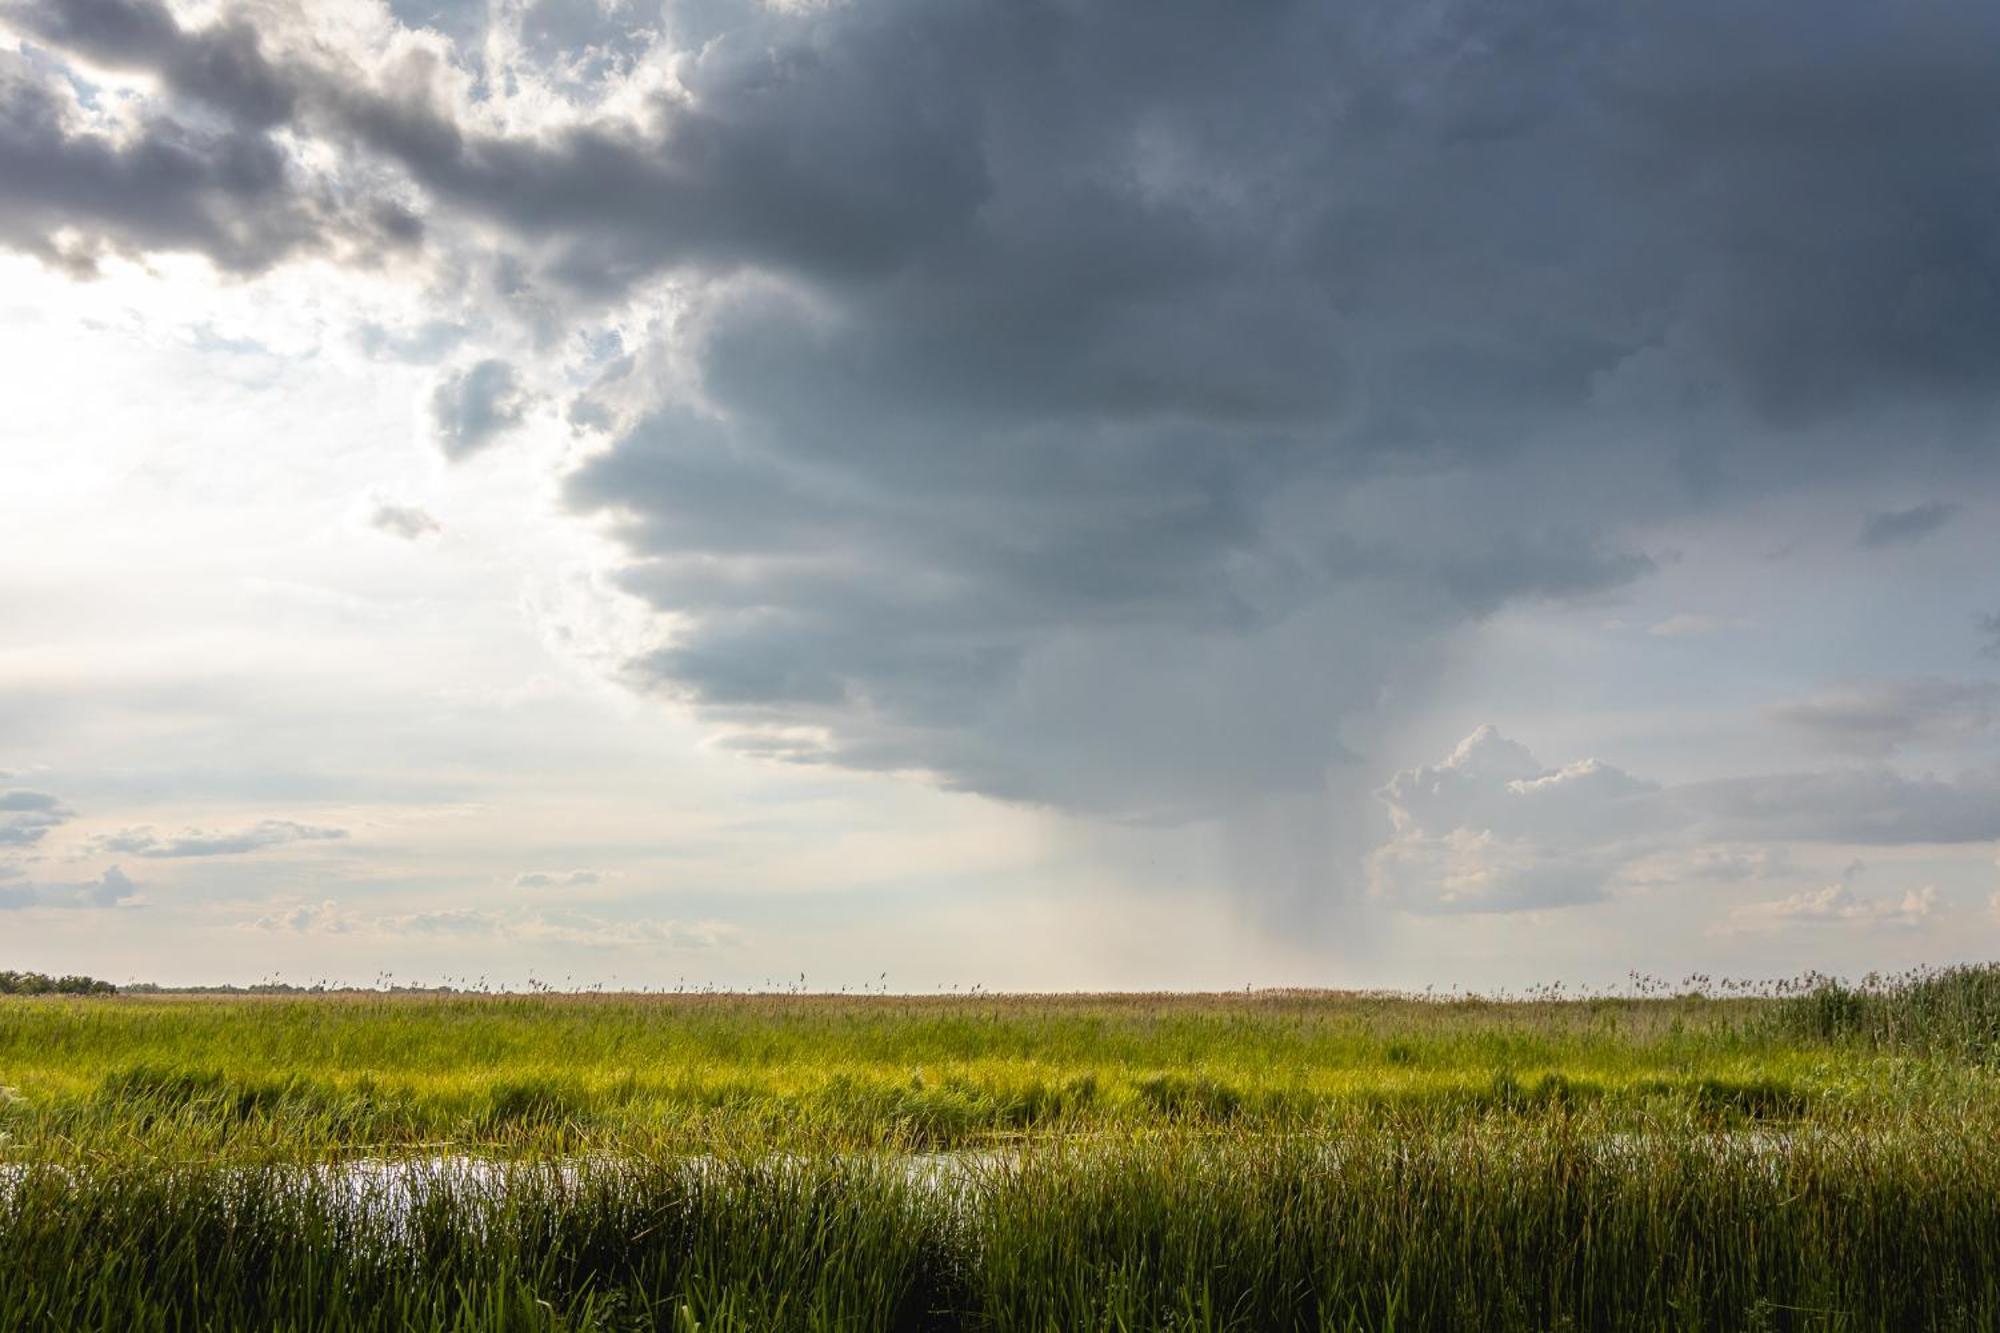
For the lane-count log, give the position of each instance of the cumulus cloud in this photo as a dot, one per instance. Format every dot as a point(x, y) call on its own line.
point(409, 522)
point(555, 879)
point(1878, 717)
point(1901, 527)
point(1491, 829)
point(1836, 904)
point(265, 834)
point(111, 889)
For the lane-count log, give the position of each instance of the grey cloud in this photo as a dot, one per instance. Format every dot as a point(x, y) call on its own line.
point(1415, 317)
point(1867, 806)
point(195, 842)
point(1490, 829)
point(27, 816)
point(170, 187)
point(111, 889)
point(222, 65)
point(1900, 527)
point(1878, 717)
point(410, 522)
point(228, 187)
point(474, 406)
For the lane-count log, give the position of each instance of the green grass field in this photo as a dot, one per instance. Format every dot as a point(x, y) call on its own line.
point(1825, 1158)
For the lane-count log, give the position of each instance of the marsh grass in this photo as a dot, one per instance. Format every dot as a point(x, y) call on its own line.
point(1523, 1224)
point(1953, 1011)
point(1815, 1159)
point(383, 1071)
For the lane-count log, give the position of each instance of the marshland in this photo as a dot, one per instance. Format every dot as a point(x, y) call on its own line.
point(1808, 1155)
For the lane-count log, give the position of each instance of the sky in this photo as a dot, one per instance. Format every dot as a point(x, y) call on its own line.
point(1029, 494)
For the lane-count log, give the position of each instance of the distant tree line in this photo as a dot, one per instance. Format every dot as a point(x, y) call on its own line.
point(40, 983)
point(261, 988)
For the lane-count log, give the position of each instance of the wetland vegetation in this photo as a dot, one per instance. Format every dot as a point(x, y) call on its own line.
point(1813, 1155)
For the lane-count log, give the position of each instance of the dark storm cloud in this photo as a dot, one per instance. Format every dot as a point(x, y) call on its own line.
point(1106, 403)
point(68, 193)
point(222, 65)
point(1900, 527)
point(1282, 331)
point(204, 170)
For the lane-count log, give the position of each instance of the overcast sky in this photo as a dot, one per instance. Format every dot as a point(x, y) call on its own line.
point(1029, 493)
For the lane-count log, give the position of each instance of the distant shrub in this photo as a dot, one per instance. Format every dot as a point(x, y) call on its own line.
point(40, 983)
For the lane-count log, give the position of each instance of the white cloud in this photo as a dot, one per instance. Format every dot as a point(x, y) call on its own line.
point(144, 841)
point(1725, 864)
point(555, 879)
point(1836, 904)
point(410, 522)
point(513, 927)
point(1491, 829)
point(602, 933)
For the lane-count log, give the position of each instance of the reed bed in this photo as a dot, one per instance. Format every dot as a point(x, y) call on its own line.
point(382, 1071)
point(1819, 1157)
point(1531, 1224)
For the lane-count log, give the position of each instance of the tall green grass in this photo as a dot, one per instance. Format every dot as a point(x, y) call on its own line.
point(1952, 1011)
point(1531, 1225)
point(383, 1071)
point(1820, 1158)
